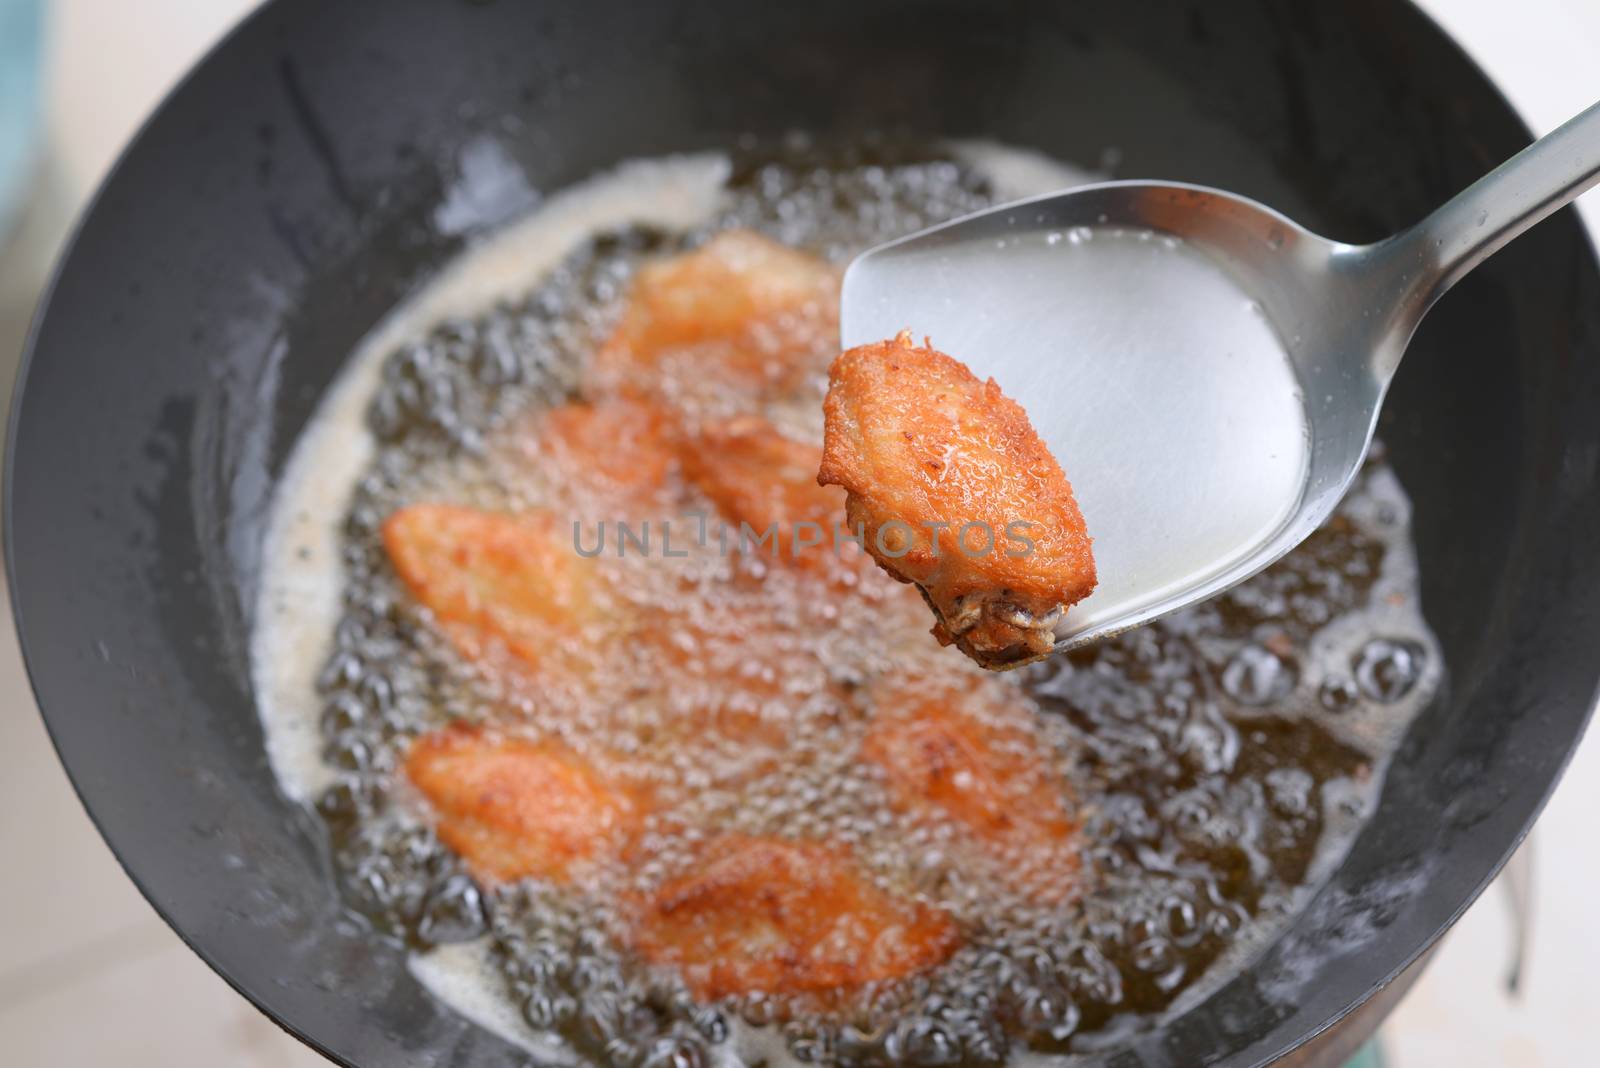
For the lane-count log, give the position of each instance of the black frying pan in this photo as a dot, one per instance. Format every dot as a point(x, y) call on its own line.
point(282, 200)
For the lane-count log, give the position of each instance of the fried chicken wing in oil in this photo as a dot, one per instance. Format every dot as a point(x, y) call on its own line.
point(759, 478)
point(608, 454)
point(740, 319)
point(958, 495)
point(499, 583)
point(961, 749)
point(783, 917)
point(517, 809)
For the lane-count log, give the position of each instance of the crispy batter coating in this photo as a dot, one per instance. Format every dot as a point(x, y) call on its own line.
point(923, 449)
point(516, 809)
point(496, 581)
point(761, 479)
point(764, 914)
point(959, 748)
point(742, 316)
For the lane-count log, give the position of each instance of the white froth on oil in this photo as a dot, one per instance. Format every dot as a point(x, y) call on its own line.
point(465, 977)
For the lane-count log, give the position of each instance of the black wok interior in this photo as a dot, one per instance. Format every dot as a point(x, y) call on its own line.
point(284, 198)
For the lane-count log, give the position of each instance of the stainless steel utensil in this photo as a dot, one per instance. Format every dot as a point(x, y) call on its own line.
point(1119, 314)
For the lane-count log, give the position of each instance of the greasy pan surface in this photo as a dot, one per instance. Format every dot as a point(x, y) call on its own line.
point(288, 194)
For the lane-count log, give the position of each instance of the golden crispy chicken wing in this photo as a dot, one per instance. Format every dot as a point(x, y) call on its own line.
point(958, 495)
point(499, 582)
point(960, 749)
point(762, 480)
point(742, 318)
point(516, 809)
point(781, 917)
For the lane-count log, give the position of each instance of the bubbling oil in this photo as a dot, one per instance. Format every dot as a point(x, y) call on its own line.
point(1220, 759)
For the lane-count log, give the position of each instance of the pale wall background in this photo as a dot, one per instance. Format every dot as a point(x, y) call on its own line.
point(89, 975)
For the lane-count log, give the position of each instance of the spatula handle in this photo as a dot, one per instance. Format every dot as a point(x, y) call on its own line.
point(1482, 219)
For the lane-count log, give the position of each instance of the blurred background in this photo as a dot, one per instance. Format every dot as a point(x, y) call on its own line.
point(90, 975)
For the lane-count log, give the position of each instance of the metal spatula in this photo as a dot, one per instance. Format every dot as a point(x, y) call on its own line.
point(1207, 371)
